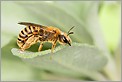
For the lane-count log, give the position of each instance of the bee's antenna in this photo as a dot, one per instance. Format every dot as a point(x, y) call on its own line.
point(68, 33)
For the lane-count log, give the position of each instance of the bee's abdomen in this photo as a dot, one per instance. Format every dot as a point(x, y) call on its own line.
point(25, 34)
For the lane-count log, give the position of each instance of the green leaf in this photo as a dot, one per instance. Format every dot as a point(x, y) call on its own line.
point(79, 59)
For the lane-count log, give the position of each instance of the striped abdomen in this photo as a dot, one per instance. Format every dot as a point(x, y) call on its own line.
point(26, 33)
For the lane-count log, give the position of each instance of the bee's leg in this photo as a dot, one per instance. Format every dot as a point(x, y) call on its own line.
point(53, 46)
point(26, 46)
point(28, 43)
point(21, 49)
point(40, 47)
point(52, 49)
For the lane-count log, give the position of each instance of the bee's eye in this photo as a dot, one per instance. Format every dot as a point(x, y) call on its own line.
point(65, 40)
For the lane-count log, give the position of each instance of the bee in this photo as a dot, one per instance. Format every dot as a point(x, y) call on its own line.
point(34, 33)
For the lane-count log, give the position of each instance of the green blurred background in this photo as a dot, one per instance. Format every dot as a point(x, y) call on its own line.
point(97, 23)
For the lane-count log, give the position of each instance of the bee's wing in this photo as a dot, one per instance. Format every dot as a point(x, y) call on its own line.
point(31, 24)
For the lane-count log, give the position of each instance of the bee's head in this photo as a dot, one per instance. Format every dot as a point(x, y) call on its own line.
point(64, 37)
